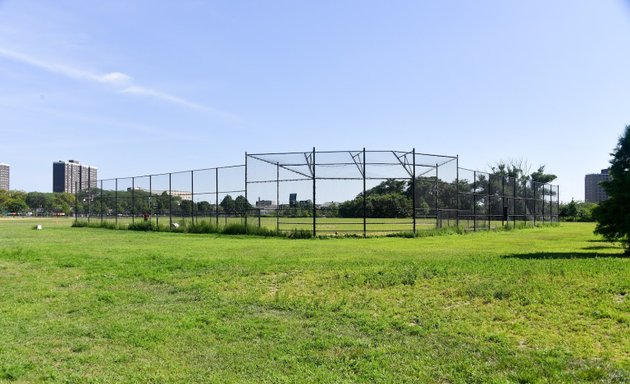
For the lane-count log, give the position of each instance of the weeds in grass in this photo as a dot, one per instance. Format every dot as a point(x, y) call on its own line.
point(142, 226)
point(207, 227)
point(299, 234)
point(429, 232)
point(201, 227)
point(105, 225)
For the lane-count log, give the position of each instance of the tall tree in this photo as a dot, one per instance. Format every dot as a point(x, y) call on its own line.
point(241, 205)
point(541, 177)
point(228, 205)
point(613, 215)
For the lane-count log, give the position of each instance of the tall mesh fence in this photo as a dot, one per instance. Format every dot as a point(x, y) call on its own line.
point(166, 198)
point(363, 192)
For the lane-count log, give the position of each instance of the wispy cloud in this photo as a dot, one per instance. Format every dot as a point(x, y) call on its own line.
point(120, 81)
point(142, 91)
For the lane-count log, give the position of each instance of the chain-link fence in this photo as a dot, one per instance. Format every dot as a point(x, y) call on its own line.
point(491, 200)
point(361, 192)
point(166, 198)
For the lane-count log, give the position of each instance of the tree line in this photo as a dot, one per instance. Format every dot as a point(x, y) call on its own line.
point(37, 203)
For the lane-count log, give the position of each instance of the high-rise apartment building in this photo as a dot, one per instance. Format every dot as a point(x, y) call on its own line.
point(4, 177)
point(593, 191)
point(70, 175)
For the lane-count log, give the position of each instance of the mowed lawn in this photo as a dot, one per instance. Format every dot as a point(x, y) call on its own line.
point(94, 305)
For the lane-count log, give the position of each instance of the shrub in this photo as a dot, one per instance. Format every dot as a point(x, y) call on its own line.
point(234, 229)
point(201, 227)
point(299, 234)
point(142, 226)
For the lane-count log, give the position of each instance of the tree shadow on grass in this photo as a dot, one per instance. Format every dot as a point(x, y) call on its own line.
point(565, 255)
point(600, 247)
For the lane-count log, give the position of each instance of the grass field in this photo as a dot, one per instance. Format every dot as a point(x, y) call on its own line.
point(93, 305)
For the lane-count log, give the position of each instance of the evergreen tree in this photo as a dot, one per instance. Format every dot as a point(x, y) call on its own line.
point(613, 215)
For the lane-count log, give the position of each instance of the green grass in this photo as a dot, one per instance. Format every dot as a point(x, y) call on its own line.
point(534, 305)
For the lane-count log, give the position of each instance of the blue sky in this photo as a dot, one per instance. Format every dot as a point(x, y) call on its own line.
point(136, 87)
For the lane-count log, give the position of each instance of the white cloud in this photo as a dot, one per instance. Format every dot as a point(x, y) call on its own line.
point(116, 78)
point(121, 81)
point(64, 70)
point(142, 91)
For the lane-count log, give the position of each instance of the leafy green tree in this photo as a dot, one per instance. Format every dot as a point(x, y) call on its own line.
point(38, 200)
point(227, 204)
point(17, 205)
point(186, 207)
point(241, 205)
point(541, 177)
point(577, 211)
point(389, 186)
point(4, 199)
point(63, 203)
point(204, 208)
point(569, 211)
point(613, 215)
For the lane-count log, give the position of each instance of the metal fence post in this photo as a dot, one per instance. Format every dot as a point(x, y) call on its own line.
point(364, 198)
point(133, 199)
point(277, 197)
point(543, 205)
point(457, 190)
point(438, 224)
point(535, 200)
point(413, 189)
point(102, 201)
point(192, 196)
point(474, 201)
point(504, 215)
point(216, 195)
point(116, 202)
point(170, 201)
point(151, 203)
point(247, 201)
point(314, 196)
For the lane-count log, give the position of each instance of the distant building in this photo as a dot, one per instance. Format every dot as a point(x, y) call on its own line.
point(264, 203)
point(593, 191)
point(184, 195)
point(4, 177)
point(292, 199)
point(70, 176)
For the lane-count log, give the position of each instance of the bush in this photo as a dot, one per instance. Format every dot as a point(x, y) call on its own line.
point(407, 235)
point(242, 229)
point(142, 226)
point(299, 234)
point(234, 229)
point(261, 231)
point(85, 224)
point(201, 227)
